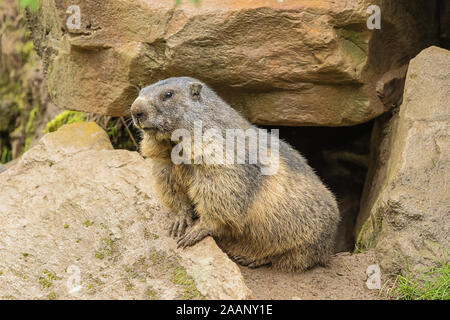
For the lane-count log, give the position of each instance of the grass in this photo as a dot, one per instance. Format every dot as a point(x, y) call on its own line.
point(433, 284)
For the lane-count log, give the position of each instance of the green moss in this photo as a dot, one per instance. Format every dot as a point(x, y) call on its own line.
point(109, 246)
point(51, 296)
point(66, 117)
point(107, 249)
point(66, 226)
point(180, 277)
point(87, 223)
point(151, 294)
point(99, 255)
point(1, 272)
point(369, 233)
point(128, 285)
point(164, 266)
point(51, 276)
point(157, 256)
point(47, 278)
point(45, 283)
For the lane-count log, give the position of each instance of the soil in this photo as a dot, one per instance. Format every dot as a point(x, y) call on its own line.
point(343, 279)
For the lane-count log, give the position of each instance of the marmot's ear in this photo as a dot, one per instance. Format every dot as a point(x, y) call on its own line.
point(196, 87)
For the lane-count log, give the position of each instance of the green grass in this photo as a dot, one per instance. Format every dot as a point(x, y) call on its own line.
point(30, 4)
point(434, 284)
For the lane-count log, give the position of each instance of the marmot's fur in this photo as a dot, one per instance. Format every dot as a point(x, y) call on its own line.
point(288, 219)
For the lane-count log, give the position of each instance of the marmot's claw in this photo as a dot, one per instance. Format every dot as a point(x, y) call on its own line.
point(178, 227)
point(192, 237)
point(241, 260)
point(260, 263)
point(251, 263)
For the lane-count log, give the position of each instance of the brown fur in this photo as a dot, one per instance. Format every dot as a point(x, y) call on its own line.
point(288, 219)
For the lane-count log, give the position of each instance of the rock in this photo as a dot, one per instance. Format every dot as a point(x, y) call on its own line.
point(280, 63)
point(2, 168)
point(380, 149)
point(80, 220)
point(410, 213)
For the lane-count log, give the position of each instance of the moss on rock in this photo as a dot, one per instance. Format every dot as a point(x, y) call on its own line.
point(180, 277)
point(65, 117)
point(368, 235)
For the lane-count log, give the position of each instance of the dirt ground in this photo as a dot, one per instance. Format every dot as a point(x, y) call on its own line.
point(343, 279)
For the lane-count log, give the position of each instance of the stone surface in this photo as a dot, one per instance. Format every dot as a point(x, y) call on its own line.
point(295, 62)
point(410, 213)
point(73, 208)
point(380, 150)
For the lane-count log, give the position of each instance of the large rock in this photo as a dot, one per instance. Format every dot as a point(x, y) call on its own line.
point(287, 62)
point(409, 204)
point(74, 206)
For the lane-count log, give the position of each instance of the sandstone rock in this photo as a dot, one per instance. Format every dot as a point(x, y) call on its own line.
point(300, 62)
point(380, 150)
point(410, 213)
point(79, 220)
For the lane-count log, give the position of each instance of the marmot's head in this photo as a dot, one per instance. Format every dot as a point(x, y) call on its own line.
point(162, 107)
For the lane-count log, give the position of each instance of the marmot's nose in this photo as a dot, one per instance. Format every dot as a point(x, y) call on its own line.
point(138, 110)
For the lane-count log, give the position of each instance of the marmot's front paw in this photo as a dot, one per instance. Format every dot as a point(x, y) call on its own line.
point(178, 227)
point(192, 237)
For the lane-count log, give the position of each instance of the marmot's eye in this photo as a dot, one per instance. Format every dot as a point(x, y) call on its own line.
point(168, 95)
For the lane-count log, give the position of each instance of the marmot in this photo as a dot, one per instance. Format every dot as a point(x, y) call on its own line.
point(287, 219)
